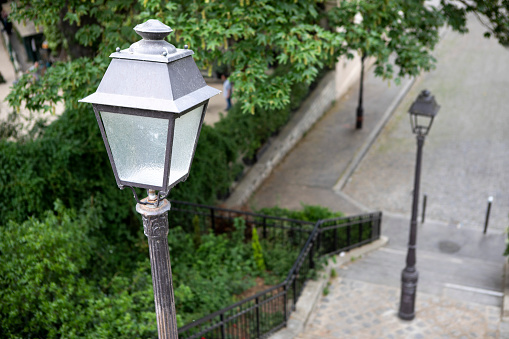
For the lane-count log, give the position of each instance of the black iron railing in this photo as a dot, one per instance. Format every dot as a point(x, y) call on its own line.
point(221, 220)
point(266, 312)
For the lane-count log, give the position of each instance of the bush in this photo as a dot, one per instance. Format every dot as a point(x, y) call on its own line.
point(57, 280)
point(311, 213)
point(46, 287)
point(257, 251)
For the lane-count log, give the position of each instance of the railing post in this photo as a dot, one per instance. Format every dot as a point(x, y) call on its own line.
point(295, 291)
point(264, 228)
point(360, 231)
point(349, 233)
point(373, 223)
point(311, 255)
point(318, 241)
point(212, 220)
point(223, 327)
point(335, 237)
point(285, 299)
point(257, 317)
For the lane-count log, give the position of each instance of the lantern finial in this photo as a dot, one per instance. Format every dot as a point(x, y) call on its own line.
point(153, 30)
point(153, 33)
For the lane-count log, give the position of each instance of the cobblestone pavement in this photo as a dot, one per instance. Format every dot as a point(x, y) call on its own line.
point(465, 154)
point(459, 294)
point(350, 311)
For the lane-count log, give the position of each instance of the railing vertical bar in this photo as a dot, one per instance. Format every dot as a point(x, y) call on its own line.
point(264, 228)
point(335, 237)
point(271, 311)
point(311, 260)
point(349, 234)
point(285, 300)
point(246, 327)
point(212, 220)
point(264, 311)
point(256, 316)
point(236, 327)
point(372, 224)
point(241, 320)
point(294, 283)
point(360, 231)
point(223, 329)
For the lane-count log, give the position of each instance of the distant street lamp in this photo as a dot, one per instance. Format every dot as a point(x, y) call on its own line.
point(359, 118)
point(150, 107)
point(360, 110)
point(422, 112)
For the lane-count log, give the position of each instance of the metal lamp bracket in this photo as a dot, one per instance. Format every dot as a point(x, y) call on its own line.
point(160, 197)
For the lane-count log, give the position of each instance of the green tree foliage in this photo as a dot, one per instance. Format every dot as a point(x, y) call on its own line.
point(257, 251)
point(87, 31)
point(406, 29)
point(493, 14)
point(247, 37)
point(250, 36)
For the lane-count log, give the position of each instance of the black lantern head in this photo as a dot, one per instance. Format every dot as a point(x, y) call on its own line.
point(422, 112)
point(150, 107)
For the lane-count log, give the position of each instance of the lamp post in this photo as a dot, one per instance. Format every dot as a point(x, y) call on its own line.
point(150, 107)
point(360, 110)
point(422, 112)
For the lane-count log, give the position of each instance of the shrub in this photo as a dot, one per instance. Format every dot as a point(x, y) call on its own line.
point(257, 251)
point(311, 213)
point(196, 231)
point(47, 290)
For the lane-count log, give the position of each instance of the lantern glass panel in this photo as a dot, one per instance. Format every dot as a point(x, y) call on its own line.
point(138, 145)
point(184, 141)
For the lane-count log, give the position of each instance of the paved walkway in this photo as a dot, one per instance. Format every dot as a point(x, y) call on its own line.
point(309, 173)
point(437, 317)
point(461, 270)
point(466, 153)
point(459, 293)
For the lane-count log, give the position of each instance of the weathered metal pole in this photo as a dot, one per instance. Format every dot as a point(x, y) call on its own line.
point(424, 201)
point(360, 109)
point(409, 276)
point(155, 226)
point(490, 200)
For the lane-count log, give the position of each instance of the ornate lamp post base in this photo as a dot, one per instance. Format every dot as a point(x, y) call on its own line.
point(409, 278)
point(155, 226)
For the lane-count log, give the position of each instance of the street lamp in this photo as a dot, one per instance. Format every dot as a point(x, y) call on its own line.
point(150, 107)
point(422, 112)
